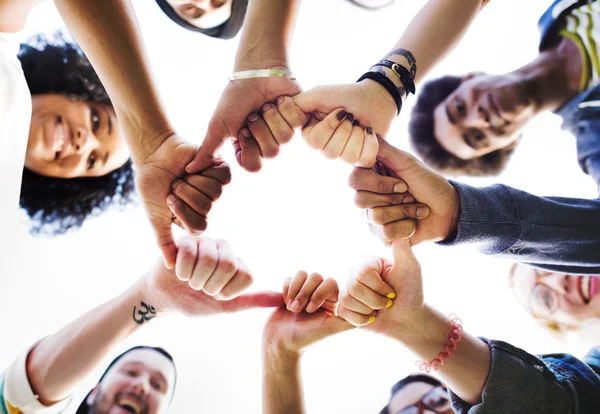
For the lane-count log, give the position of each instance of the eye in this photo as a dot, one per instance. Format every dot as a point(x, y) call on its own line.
point(460, 106)
point(156, 385)
point(95, 119)
point(131, 373)
point(91, 161)
point(191, 11)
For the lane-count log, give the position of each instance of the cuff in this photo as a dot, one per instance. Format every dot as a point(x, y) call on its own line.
point(18, 392)
point(488, 218)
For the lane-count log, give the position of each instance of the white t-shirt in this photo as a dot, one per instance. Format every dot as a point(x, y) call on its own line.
point(15, 117)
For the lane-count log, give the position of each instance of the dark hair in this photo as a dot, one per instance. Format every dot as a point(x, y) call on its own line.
point(427, 379)
point(426, 145)
point(57, 205)
point(84, 408)
point(227, 30)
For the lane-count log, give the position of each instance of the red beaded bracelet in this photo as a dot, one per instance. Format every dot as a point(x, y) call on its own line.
point(453, 339)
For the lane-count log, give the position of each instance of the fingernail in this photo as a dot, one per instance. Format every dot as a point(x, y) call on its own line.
point(187, 167)
point(400, 188)
point(371, 319)
point(175, 184)
point(389, 304)
point(171, 199)
point(422, 212)
point(350, 117)
point(310, 307)
point(369, 130)
point(252, 118)
point(356, 123)
point(295, 306)
point(246, 133)
point(391, 295)
point(341, 115)
point(267, 106)
point(280, 100)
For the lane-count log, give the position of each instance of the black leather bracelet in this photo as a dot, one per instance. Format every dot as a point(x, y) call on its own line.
point(404, 74)
point(387, 84)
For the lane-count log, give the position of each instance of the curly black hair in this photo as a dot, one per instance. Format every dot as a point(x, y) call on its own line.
point(56, 205)
point(425, 144)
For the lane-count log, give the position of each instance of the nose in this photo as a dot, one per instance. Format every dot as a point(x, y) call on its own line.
point(558, 283)
point(141, 385)
point(483, 115)
point(82, 139)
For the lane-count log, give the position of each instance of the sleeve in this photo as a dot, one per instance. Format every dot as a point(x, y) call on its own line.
point(519, 382)
point(16, 395)
point(554, 233)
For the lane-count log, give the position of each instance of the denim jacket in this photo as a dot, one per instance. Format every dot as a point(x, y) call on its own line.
point(519, 382)
point(554, 233)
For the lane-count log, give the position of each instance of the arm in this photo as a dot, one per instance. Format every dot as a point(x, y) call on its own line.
point(264, 44)
point(551, 232)
point(60, 361)
point(311, 303)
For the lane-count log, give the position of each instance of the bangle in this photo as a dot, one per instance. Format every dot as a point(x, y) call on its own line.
point(260, 73)
point(453, 340)
point(387, 84)
point(405, 76)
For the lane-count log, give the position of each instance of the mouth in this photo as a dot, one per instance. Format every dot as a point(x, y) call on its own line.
point(61, 139)
point(587, 287)
point(495, 109)
point(131, 403)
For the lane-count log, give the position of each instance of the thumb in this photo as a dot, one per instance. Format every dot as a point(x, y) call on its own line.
point(314, 100)
point(254, 300)
point(405, 274)
point(403, 254)
point(166, 243)
point(335, 324)
point(205, 156)
point(395, 159)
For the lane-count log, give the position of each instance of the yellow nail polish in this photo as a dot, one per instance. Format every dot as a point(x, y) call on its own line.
point(391, 295)
point(389, 304)
point(371, 319)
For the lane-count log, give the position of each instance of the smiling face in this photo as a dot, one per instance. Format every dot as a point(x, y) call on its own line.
point(484, 114)
point(556, 297)
point(140, 382)
point(204, 14)
point(419, 397)
point(70, 139)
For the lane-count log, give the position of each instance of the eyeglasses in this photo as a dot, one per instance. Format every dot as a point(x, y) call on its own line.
point(543, 300)
point(436, 401)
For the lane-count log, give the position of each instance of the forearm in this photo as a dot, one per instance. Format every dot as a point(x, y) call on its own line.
point(467, 371)
point(109, 34)
point(282, 387)
point(267, 34)
point(60, 361)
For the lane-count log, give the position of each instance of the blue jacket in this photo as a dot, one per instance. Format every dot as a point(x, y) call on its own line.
point(554, 233)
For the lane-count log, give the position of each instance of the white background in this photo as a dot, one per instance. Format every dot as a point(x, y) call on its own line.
point(296, 214)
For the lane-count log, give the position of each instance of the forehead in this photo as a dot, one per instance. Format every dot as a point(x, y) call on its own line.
point(149, 360)
point(409, 395)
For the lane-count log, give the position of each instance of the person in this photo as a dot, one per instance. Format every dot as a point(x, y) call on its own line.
point(559, 300)
point(482, 375)
point(208, 279)
point(251, 123)
point(418, 392)
point(77, 163)
point(470, 125)
point(309, 315)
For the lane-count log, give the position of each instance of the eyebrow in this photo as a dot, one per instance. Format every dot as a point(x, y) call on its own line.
point(109, 121)
point(450, 117)
point(142, 365)
point(106, 157)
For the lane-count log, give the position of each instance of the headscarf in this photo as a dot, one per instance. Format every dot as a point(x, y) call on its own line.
point(227, 30)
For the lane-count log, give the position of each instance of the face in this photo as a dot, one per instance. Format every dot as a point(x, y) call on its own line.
point(70, 138)
point(484, 114)
point(557, 297)
point(203, 14)
point(419, 397)
point(141, 382)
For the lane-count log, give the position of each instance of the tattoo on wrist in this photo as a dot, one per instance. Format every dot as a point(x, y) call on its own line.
point(408, 56)
point(380, 69)
point(144, 314)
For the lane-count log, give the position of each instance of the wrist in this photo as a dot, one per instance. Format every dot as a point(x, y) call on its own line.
point(453, 228)
point(423, 325)
point(144, 135)
point(378, 94)
point(256, 63)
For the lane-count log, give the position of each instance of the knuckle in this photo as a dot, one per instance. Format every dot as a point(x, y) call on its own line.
point(354, 290)
point(270, 151)
point(208, 260)
point(316, 277)
point(379, 216)
point(228, 266)
point(382, 187)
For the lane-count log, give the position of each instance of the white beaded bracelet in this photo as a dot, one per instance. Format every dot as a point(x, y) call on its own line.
point(261, 73)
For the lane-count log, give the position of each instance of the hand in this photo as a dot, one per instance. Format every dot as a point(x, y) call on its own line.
point(155, 176)
point(367, 101)
point(208, 280)
point(384, 297)
point(312, 320)
point(240, 98)
point(437, 208)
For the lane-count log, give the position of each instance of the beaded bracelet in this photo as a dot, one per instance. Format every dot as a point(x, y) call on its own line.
point(260, 73)
point(453, 339)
